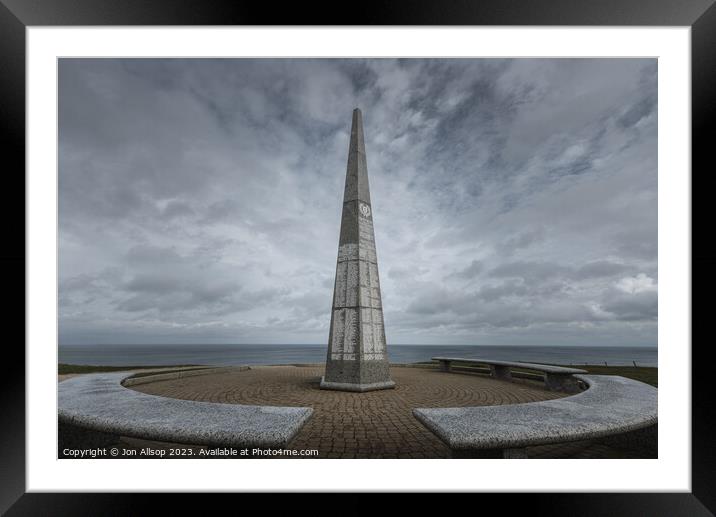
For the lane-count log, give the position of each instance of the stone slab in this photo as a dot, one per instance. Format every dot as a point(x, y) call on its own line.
point(99, 402)
point(547, 368)
point(611, 405)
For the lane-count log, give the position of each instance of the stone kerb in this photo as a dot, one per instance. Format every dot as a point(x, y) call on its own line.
point(611, 405)
point(144, 379)
point(100, 403)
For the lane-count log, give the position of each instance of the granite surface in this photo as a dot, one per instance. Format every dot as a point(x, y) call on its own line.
point(515, 364)
point(100, 402)
point(327, 385)
point(357, 352)
point(611, 405)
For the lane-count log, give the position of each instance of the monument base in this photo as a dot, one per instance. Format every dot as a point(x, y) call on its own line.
point(349, 386)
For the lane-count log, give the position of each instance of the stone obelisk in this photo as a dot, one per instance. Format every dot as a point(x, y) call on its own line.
point(357, 357)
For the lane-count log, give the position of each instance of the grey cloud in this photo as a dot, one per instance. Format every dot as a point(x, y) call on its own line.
point(81, 282)
point(522, 240)
point(495, 292)
point(637, 112)
point(201, 199)
point(531, 270)
point(177, 209)
point(488, 308)
point(642, 306)
point(600, 269)
point(639, 242)
point(470, 271)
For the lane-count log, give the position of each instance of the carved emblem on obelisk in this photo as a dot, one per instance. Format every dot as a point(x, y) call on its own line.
point(357, 358)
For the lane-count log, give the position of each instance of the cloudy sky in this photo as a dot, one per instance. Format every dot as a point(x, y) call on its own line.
point(514, 201)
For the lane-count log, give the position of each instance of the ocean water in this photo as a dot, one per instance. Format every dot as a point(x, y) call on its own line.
point(223, 355)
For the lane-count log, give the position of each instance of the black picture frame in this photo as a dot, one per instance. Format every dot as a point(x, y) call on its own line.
point(17, 15)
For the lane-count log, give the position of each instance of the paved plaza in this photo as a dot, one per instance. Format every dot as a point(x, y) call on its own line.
point(375, 424)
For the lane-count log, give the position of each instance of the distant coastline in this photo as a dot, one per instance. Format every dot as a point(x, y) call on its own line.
point(206, 354)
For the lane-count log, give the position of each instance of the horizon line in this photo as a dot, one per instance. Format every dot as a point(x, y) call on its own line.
point(320, 344)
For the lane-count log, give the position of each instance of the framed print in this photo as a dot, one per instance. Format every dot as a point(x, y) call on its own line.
point(497, 273)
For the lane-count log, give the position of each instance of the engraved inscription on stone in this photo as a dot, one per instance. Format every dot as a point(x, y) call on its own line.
point(345, 334)
point(372, 335)
point(346, 289)
point(366, 241)
point(348, 252)
point(364, 210)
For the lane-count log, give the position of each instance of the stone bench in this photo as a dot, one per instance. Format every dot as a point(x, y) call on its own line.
point(556, 378)
point(611, 406)
point(101, 404)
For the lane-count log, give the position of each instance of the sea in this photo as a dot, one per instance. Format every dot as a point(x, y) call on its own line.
point(226, 355)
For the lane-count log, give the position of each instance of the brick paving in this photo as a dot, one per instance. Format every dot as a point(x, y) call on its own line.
point(376, 424)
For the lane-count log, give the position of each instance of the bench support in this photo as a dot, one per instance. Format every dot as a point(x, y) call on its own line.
point(75, 437)
point(514, 454)
point(645, 441)
point(444, 366)
point(501, 372)
point(561, 382)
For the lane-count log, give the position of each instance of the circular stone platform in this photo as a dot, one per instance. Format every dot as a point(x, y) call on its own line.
point(376, 424)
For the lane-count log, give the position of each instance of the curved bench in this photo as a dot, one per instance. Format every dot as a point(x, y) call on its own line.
point(100, 403)
point(611, 405)
point(556, 378)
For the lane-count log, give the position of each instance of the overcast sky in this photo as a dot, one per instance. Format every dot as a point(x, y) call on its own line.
point(514, 201)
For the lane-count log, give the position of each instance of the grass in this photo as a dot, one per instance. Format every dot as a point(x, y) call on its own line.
point(63, 368)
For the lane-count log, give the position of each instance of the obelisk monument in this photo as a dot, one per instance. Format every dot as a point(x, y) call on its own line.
point(357, 357)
